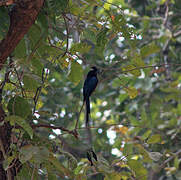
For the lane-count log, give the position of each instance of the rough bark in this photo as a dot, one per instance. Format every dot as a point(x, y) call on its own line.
point(5, 137)
point(22, 16)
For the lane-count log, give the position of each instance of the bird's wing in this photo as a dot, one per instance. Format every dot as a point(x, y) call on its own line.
point(89, 86)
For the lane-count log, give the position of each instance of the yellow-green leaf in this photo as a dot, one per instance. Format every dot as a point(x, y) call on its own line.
point(107, 5)
point(76, 72)
point(138, 168)
point(156, 138)
point(149, 49)
point(132, 70)
point(131, 91)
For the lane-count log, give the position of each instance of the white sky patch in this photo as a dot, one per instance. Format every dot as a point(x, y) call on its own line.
point(35, 121)
point(116, 152)
point(107, 113)
point(100, 130)
point(126, 11)
point(52, 136)
point(56, 39)
point(56, 115)
point(130, 25)
point(112, 56)
point(139, 37)
point(102, 23)
point(179, 85)
point(104, 103)
point(98, 114)
point(142, 76)
point(65, 32)
point(36, 114)
point(120, 40)
point(79, 61)
point(70, 42)
point(52, 118)
point(62, 114)
point(52, 80)
point(111, 135)
point(57, 131)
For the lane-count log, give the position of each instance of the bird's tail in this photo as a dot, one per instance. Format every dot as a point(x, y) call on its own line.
point(87, 111)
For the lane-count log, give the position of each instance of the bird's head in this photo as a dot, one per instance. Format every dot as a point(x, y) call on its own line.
point(94, 68)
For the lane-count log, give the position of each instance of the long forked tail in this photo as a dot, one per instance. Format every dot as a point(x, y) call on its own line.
point(87, 101)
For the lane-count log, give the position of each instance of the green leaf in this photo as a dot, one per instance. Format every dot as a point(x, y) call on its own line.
point(30, 83)
point(149, 49)
point(50, 171)
point(132, 69)
point(80, 47)
point(144, 153)
point(59, 166)
point(146, 135)
point(138, 168)
point(102, 37)
point(127, 150)
point(137, 60)
point(37, 66)
point(26, 153)
point(23, 123)
point(156, 138)
point(19, 106)
point(176, 162)
point(34, 34)
point(90, 35)
point(41, 155)
point(76, 72)
point(113, 176)
point(132, 92)
point(20, 50)
point(108, 5)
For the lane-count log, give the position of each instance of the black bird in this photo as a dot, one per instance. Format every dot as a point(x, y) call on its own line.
point(89, 86)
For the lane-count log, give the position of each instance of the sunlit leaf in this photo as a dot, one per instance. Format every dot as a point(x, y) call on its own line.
point(156, 138)
point(138, 168)
point(76, 72)
point(132, 92)
point(108, 4)
point(132, 70)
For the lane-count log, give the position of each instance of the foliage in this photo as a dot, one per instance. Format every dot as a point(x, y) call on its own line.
point(135, 113)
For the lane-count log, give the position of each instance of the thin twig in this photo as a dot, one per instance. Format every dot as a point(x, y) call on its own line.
point(67, 30)
point(55, 127)
point(19, 80)
point(77, 122)
point(168, 160)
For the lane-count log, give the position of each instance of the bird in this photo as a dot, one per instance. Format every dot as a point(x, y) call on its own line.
point(90, 84)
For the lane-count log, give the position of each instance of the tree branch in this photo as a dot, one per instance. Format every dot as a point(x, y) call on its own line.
point(22, 16)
